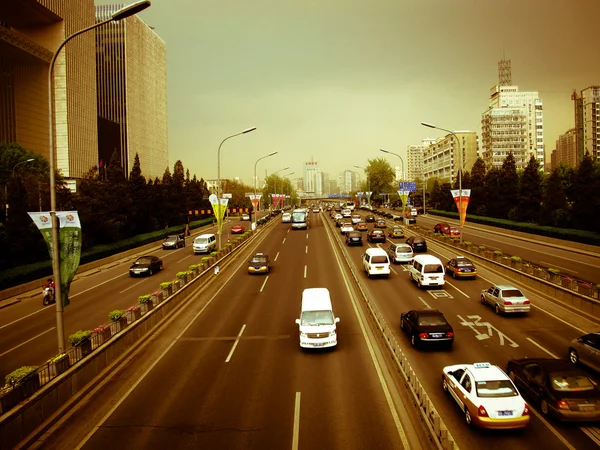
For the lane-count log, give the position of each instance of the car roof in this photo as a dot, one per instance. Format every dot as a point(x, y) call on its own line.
point(503, 287)
point(490, 373)
point(552, 364)
point(376, 251)
point(428, 312)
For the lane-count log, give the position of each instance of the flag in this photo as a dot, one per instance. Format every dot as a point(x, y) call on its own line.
point(219, 206)
point(466, 195)
point(69, 242)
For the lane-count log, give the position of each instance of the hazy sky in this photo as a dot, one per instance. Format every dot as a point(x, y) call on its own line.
point(335, 80)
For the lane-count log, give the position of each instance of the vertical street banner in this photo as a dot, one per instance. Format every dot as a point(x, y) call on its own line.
point(255, 200)
point(368, 194)
point(219, 206)
point(466, 195)
point(404, 197)
point(69, 242)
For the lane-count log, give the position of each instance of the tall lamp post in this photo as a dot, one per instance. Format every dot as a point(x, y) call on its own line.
point(121, 14)
point(6, 186)
point(425, 124)
point(402, 170)
point(219, 193)
point(275, 173)
point(283, 177)
point(263, 157)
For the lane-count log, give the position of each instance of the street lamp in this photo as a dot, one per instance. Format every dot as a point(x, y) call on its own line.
point(6, 186)
point(275, 173)
point(425, 124)
point(121, 14)
point(401, 173)
point(266, 156)
point(247, 130)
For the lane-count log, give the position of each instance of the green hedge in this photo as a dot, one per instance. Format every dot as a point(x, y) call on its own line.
point(582, 236)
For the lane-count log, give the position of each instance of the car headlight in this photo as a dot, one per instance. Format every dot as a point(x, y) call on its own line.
point(302, 334)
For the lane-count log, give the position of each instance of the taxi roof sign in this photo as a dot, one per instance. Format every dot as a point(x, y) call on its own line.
point(481, 365)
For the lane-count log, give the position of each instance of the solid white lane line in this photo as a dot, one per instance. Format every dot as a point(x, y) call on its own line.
point(264, 283)
point(542, 348)
point(393, 270)
point(235, 343)
point(458, 289)
point(306, 235)
point(276, 256)
point(28, 315)
point(284, 240)
point(558, 436)
point(561, 320)
point(132, 286)
point(27, 341)
point(424, 302)
point(183, 259)
point(306, 249)
point(296, 431)
point(593, 433)
point(304, 271)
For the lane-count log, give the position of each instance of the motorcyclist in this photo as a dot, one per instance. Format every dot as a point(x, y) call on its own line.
point(50, 284)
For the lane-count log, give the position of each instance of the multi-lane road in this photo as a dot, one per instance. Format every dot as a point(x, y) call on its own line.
point(228, 371)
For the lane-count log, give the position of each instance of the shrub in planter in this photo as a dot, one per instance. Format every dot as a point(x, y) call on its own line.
point(79, 337)
point(21, 375)
point(181, 275)
point(497, 253)
point(481, 247)
point(515, 259)
point(228, 245)
point(116, 314)
point(59, 364)
point(166, 285)
point(204, 259)
point(143, 299)
point(194, 267)
point(468, 243)
point(214, 254)
point(554, 271)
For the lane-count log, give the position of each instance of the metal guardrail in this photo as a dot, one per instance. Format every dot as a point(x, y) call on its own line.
point(434, 422)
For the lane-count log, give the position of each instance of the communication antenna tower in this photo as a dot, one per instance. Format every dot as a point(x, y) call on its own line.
point(504, 72)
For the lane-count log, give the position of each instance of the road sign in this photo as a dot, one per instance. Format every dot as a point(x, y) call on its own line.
point(227, 195)
point(410, 186)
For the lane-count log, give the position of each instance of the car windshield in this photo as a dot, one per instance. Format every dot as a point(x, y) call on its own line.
point(507, 293)
point(144, 261)
point(496, 388)
point(570, 382)
point(463, 263)
point(317, 318)
point(171, 239)
point(433, 268)
point(431, 321)
point(403, 249)
point(200, 241)
point(377, 232)
point(259, 259)
point(298, 216)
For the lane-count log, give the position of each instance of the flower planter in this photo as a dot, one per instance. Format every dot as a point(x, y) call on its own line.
point(540, 273)
point(556, 279)
point(30, 385)
point(137, 314)
point(158, 296)
point(9, 398)
point(149, 306)
point(516, 265)
point(83, 349)
point(105, 335)
point(57, 367)
point(176, 285)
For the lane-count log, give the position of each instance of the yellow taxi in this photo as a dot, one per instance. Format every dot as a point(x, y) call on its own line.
point(461, 267)
point(396, 232)
point(486, 395)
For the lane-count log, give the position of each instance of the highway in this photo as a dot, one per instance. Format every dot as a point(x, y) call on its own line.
point(229, 372)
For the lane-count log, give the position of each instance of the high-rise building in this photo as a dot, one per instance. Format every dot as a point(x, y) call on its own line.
point(514, 122)
point(311, 169)
point(566, 150)
point(590, 118)
point(441, 158)
point(414, 159)
point(349, 181)
point(132, 92)
point(30, 33)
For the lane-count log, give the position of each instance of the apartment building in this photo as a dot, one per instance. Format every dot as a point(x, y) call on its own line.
point(442, 157)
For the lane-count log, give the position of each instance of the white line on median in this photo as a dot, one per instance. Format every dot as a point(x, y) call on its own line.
point(296, 431)
point(276, 256)
point(283, 240)
point(23, 343)
point(458, 289)
point(542, 348)
point(235, 343)
point(132, 286)
point(264, 283)
point(549, 264)
point(304, 271)
point(306, 249)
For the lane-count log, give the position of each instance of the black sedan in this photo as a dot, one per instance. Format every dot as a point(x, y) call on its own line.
point(417, 243)
point(354, 238)
point(374, 235)
point(562, 391)
point(427, 326)
point(145, 265)
point(370, 218)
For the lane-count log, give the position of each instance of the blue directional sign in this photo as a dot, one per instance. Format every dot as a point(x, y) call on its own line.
point(410, 186)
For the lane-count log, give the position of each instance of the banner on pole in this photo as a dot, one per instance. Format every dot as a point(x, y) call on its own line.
point(219, 206)
point(466, 195)
point(403, 196)
point(69, 243)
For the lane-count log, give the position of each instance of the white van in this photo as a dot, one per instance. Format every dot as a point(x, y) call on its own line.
point(376, 262)
point(205, 243)
point(427, 270)
point(317, 321)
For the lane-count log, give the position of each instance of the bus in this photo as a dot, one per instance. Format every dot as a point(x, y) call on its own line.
point(300, 219)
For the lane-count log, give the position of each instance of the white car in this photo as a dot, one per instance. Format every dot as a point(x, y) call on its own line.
point(346, 227)
point(486, 395)
point(286, 217)
point(346, 213)
point(506, 299)
point(356, 218)
point(245, 216)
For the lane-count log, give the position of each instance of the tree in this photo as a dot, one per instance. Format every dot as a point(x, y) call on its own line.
point(141, 210)
point(381, 176)
point(491, 199)
point(478, 172)
point(555, 208)
point(509, 192)
point(586, 200)
point(530, 192)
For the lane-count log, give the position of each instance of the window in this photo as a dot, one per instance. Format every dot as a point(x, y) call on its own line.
point(571, 382)
point(498, 388)
point(317, 318)
point(433, 268)
point(466, 383)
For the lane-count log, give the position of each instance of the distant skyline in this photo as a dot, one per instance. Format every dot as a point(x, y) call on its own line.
point(337, 80)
